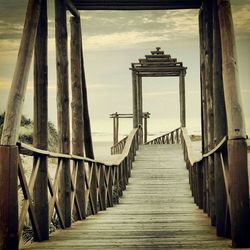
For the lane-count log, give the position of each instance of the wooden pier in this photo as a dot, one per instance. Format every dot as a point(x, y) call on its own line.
point(156, 210)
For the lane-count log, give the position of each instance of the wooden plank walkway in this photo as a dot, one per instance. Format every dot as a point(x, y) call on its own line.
point(156, 211)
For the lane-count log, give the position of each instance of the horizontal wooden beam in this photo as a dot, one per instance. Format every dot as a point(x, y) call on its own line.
point(145, 114)
point(159, 59)
point(158, 74)
point(158, 69)
point(136, 4)
point(144, 62)
point(158, 56)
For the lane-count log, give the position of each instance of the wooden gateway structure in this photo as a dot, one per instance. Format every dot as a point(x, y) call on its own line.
point(115, 116)
point(81, 185)
point(156, 65)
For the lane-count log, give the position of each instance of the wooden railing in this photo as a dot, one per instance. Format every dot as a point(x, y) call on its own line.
point(118, 147)
point(201, 183)
point(172, 137)
point(101, 184)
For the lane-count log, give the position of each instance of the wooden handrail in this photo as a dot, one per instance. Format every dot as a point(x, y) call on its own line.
point(192, 156)
point(118, 147)
point(103, 182)
point(164, 139)
point(30, 150)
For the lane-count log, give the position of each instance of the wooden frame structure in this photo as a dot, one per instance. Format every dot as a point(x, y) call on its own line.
point(157, 64)
point(116, 117)
point(219, 181)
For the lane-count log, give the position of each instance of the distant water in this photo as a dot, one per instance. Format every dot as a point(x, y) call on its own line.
point(102, 131)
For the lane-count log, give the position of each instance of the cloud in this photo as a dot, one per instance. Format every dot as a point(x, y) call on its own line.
point(121, 39)
point(241, 19)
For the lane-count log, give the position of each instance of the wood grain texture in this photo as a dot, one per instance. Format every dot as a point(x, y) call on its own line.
point(40, 133)
point(136, 5)
point(63, 107)
point(8, 201)
point(220, 126)
point(156, 211)
point(20, 78)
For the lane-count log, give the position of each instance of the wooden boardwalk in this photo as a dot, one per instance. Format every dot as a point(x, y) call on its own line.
point(155, 212)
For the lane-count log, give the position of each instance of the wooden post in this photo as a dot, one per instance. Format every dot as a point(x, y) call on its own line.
point(135, 106)
point(237, 148)
point(88, 143)
point(140, 106)
point(93, 187)
point(40, 134)
point(115, 117)
point(220, 128)
point(116, 128)
point(114, 125)
point(77, 109)
point(208, 10)
point(19, 83)
point(203, 104)
point(145, 127)
point(63, 108)
point(9, 198)
point(182, 98)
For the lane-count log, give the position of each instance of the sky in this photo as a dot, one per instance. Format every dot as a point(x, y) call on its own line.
point(112, 40)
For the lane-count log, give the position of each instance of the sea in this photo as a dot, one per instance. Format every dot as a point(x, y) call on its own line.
point(102, 131)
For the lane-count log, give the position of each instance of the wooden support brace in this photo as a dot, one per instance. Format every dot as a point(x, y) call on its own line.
point(19, 83)
point(77, 109)
point(63, 108)
point(40, 133)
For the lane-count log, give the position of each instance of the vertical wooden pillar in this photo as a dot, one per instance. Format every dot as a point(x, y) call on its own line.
point(182, 98)
point(63, 108)
point(115, 128)
point(135, 105)
point(9, 198)
point(145, 127)
point(203, 104)
point(208, 9)
point(236, 146)
point(88, 143)
point(19, 83)
point(140, 107)
point(40, 134)
point(220, 127)
point(114, 125)
point(77, 109)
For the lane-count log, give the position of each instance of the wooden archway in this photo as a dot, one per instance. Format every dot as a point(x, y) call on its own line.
point(157, 64)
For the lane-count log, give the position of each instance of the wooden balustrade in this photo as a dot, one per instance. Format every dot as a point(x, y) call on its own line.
point(118, 147)
point(172, 137)
point(103, 183)
point(199, 180)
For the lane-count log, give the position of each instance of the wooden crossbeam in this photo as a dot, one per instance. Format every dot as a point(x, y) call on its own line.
point(136, 4)
point(27, 203)
point(157, 69)
point(53, 188)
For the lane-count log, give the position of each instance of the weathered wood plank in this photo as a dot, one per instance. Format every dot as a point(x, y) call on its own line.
point(136, 5)
point(220, 126)
point(20, 78)
point(63, 107)
point(40, 133)
point(150, 215)
point(77, 111)
point(9, 198)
